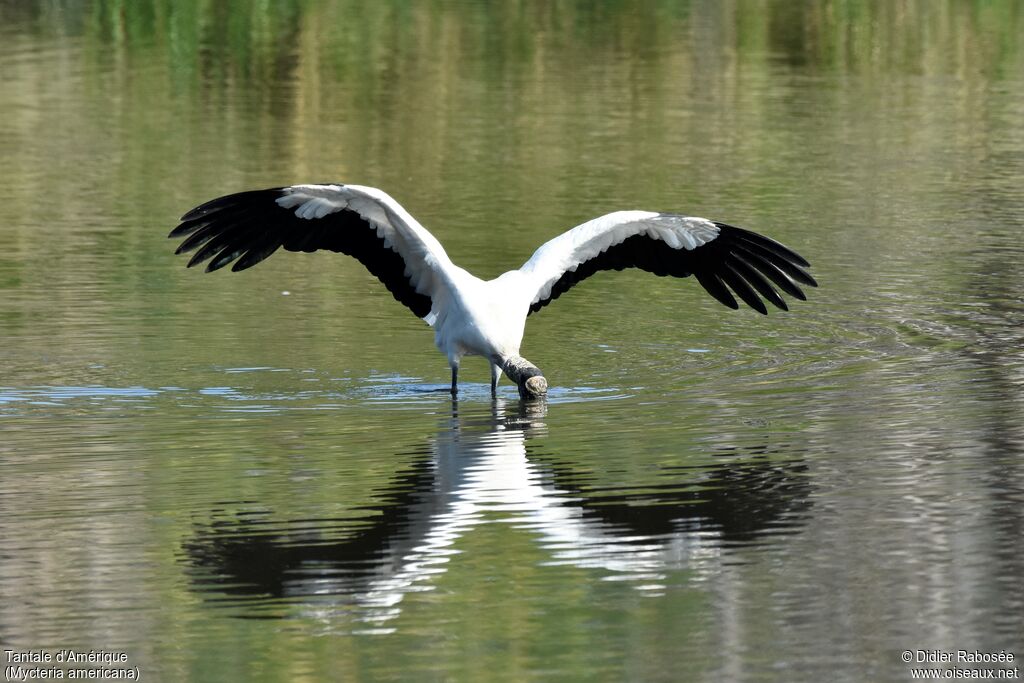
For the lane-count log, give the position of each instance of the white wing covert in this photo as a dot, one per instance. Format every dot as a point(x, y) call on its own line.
point(720, 256)
point(363, 222)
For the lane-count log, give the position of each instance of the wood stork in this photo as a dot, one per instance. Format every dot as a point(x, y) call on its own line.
point(471, 316)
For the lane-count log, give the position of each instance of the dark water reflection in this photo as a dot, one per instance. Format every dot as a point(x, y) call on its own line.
point(480, 470)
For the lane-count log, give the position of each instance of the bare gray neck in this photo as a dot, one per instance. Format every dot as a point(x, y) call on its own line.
point(525, 374)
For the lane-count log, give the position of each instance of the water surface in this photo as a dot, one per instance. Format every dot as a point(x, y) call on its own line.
point(255, 476)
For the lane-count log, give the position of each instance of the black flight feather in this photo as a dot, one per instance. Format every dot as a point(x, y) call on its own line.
point(737, 259)
point(250, 226)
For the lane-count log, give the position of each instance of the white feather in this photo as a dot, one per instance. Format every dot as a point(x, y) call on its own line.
point(425, 258)
point(573, 248)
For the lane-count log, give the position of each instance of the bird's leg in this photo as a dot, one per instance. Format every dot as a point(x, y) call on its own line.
point(495, 373)
point(525, 374)
point(455, 380)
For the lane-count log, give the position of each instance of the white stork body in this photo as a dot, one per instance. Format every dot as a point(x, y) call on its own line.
point(480, 318)
point(471, 316)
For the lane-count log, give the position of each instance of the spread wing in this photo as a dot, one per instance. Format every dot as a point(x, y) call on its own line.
point(363, 222)
point(724, 259)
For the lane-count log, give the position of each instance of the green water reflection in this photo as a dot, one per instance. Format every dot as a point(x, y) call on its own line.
point(251, 477)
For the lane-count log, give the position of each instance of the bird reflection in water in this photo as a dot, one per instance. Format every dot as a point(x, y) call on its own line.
point(479, 468)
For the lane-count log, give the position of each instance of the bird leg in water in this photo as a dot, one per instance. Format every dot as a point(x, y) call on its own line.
point(455, 380)
point(525, 374)
point(495, 374)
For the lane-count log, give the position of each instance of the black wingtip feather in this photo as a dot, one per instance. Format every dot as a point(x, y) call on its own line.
point(247, 227)
point(773, 273)
point(767, 243)
point(254, 256)
point(197, 259)
point(747, 262)
point(716, 288)
point(197, 239)
point(183, 229)
point(231, 200)
point(793, 271)
point(757, 280)
point(742, 289)
point(227, 240)
point(226, 256)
